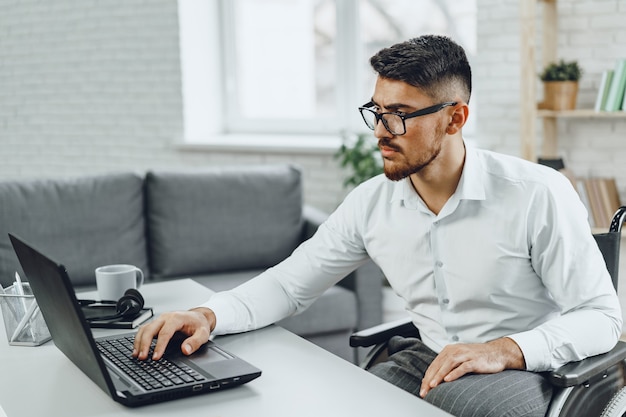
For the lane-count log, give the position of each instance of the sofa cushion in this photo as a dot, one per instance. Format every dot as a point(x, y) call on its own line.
point(222, 219)
point(224, 281)
point(336, 302)
point(82, 223)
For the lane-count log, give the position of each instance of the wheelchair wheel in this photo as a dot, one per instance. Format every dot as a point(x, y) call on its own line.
point(617, 406)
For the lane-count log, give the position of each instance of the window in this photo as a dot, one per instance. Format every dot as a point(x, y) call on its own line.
point(385, 22)
point(301, 66)
point(281, 66)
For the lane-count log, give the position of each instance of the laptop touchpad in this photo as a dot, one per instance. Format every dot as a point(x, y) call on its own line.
point(209, 354)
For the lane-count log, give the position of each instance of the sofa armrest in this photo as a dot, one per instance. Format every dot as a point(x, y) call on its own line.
point(366, 281)
point(313, 218)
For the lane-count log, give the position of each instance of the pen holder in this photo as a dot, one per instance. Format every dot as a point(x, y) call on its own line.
point(23, 321)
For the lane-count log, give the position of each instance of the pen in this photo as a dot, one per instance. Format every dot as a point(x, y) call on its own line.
point(9, 303)
point(25, 321)
point(19, 288)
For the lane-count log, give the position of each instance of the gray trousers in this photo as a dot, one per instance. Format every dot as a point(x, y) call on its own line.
point(509, 393)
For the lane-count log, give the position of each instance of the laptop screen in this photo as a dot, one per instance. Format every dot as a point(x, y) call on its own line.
point(64, 318)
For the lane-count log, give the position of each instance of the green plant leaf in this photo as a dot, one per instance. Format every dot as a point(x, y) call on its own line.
point(561, 71)
point(362, 158)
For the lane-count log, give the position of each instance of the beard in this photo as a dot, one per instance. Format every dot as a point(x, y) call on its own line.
point(400, 169)
point(398, 172)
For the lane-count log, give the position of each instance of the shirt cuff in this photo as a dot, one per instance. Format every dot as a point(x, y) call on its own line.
point(224, 314)
point(535, 349)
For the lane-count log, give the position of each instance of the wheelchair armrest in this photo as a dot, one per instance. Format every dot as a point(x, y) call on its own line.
point(383, 332)
point(576, 373)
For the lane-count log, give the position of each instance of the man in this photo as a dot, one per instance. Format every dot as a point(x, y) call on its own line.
point(493, 255)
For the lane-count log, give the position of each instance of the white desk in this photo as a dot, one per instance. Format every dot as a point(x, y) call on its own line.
point(299, 378)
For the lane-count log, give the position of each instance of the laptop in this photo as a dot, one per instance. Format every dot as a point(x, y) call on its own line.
point(209, 369)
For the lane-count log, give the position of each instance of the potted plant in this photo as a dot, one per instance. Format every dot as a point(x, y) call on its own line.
point(359, 152)
point(560, 83)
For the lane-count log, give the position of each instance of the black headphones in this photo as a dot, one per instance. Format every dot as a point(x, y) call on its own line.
point(130, 304)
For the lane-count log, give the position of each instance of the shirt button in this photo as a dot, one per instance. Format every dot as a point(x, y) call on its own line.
point(455, 338)
point(445, 301)
point(439, 264)
point(436, 223)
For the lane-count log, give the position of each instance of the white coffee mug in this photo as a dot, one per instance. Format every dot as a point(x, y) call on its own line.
point(113, 280)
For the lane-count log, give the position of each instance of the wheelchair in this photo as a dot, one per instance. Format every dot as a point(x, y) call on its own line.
point(595, 386)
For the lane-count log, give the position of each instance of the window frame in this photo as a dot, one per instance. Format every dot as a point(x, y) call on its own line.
point(347, 74)
point(203, 45)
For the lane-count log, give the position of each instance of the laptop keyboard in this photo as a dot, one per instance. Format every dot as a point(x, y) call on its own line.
point(149, 374)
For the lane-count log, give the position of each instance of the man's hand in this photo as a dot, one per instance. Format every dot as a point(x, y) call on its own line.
point(196, 323)
point(454, 361)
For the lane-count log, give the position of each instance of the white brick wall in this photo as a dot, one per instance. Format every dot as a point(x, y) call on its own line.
point(91, 86)
point(590, 31)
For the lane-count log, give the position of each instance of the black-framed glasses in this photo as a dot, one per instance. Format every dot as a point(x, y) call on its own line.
point(394, 122)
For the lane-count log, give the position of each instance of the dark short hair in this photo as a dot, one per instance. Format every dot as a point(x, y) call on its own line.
point(434, 64)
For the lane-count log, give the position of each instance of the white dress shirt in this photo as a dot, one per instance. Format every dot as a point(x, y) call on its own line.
point(510, 254)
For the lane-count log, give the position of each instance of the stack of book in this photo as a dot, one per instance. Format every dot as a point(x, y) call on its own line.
point(611, 94)
point(599, 195)
point(601, 198)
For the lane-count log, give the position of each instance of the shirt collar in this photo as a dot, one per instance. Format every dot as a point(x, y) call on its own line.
point(471, 185)
point(403, 191)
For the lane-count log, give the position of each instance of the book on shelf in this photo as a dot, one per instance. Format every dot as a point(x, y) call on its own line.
point(615, 97)
point(584, 197)
point(603, 91)
point(595, 202)
point(623, 108)
point(616, 202)
point(601, 198)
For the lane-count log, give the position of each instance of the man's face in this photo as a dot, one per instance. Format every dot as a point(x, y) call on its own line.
point(421, 144)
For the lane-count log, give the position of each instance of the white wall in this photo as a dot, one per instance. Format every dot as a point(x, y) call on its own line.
point(89, 86)
point(590, 31)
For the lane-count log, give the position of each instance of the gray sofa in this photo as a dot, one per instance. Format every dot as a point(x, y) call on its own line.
point(218, 226)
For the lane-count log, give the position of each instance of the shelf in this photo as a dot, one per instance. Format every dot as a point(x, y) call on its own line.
point(582, 113)
point(529, 113)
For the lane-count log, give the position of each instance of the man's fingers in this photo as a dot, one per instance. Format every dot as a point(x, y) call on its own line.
point(454, 374)
point(458, 372)
point(456, 360)
point(437, 372)
point(193, 342)
point(196, 324)
point(163, 339)
point(453, 362)
point(143, 338)
point(145, 335)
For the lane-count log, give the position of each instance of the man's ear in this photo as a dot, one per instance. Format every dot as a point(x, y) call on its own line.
point(459, 118)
